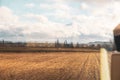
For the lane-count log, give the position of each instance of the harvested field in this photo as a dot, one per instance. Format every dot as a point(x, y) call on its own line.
point(50, 66)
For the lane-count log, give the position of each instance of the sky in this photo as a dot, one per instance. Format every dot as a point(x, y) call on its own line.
point(48, 20)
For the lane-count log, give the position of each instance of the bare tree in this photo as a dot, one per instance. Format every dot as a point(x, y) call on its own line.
point(57, 44)
point(77, 45)
point(65, 44)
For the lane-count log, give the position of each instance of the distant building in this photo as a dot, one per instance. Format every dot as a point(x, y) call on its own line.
point(99, 44)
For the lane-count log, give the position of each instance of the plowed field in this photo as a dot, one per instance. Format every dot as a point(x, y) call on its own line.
point(50, 66)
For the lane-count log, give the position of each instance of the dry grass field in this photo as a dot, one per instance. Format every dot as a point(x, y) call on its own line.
point(50, 66)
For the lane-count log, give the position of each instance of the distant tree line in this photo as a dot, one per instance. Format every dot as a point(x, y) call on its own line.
point(64, 45)
point(57, 44)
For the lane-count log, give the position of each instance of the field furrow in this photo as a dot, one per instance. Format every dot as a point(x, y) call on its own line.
point(50, 66)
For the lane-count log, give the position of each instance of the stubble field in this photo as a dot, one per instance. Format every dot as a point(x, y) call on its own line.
point(50, 66)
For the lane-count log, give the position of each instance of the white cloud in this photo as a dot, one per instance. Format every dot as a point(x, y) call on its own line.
point(55, 6)
point(7, 17)
point(88, 1)
point(95, 22)
point(30, 5)
point(84, 6)
point(59, 11)
point(94, 1)
point(62, 14)
point(37, 17)
point(101, 20)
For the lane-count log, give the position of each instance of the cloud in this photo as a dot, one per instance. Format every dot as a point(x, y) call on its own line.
point(36, 17)
point(6, 15)
point(84, 6)
point(87, 22)
point(59, 6)
point(30, 5)
point(60, 11)
point(87, 1)
point(93, 1)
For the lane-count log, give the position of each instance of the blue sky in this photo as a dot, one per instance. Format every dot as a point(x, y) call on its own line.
point(48, 20)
